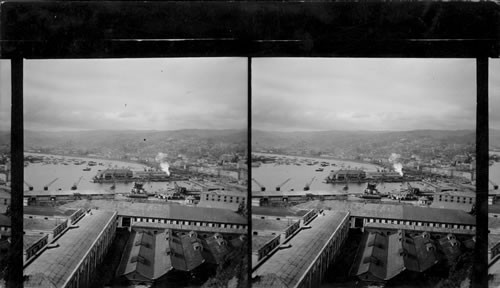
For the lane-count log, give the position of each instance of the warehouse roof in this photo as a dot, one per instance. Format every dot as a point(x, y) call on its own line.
point(48, 211)
point(278, 211)
point(290, 264)
point(163, 210)
point(270, 225)
point(58, 264)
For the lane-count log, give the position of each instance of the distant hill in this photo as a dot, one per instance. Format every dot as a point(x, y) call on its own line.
point(113, 137)
point(342, 138)
point(366, 142)
point(142, 142)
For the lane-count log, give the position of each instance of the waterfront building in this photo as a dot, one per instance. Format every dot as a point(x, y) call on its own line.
point(381, 176)
point(110, 175)
point(73, 258)
point(271, 198)
point(305, 257)
point(406, 217)
point(346, 175)
point(224, 199)
point(462, 200)
point(150, 175)
point(42, 197)
point(43, 225)
point(175, 215)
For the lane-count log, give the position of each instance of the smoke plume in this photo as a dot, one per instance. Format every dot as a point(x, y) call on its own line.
point(394, 159)
point(162, 159)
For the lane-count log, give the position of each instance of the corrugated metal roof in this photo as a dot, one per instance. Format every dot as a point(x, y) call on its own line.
point(290, 264)
point(47, 211)
point(426, 214)
point(273, 225)
point(278, 211)
point(164, 210)
point(58, 264)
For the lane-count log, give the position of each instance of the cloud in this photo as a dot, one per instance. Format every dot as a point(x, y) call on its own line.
point(363, 94)
point(160, 94)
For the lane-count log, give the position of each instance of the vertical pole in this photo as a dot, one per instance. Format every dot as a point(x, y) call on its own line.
point(480, 267)
point(249, 169)
point(15, 269)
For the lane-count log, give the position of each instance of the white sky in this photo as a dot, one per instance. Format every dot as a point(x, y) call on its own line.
point(5, 99)
point(139, 94)
point(288, 94)
point(306, 94)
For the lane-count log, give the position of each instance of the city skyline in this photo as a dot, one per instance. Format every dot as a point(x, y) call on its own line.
point(324, 94)
point(135, 94)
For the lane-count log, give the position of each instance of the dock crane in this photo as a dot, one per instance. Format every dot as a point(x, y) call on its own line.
point(279, 186)
point(46, 186)
point(75, 186)
point(30, 187)
point(262, 188)
point(308, 184)
point(495, 186)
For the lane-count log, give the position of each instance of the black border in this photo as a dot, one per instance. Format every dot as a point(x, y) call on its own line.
point(117, 29)
point(14, 275)
point(249, 174)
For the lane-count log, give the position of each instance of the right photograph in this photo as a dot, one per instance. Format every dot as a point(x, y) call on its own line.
point(494, 176)
point(363, 172)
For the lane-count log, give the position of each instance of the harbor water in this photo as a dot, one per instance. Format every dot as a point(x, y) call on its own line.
point(40, 174)
point(271, 175)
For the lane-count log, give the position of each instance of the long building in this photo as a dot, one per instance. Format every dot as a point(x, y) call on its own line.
point(303, 260)
point(224, 199)
point(404, 217)
point(72, 259)
point(42, 197)
point(276, 198)
point(130, 212)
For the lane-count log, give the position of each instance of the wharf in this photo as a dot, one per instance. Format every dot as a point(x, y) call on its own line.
point(366, 180)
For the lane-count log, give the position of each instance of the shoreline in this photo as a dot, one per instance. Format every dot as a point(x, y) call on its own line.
point(323, 158)
point(87, 157)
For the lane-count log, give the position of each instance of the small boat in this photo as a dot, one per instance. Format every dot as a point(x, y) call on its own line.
point(319, 170)
point(86, 169)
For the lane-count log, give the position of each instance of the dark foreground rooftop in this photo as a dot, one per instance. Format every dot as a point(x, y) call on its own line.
point(290, 264)
point(58, 264)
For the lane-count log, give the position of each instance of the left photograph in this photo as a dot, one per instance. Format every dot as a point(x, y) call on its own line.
point(135, 172)
point(5, 169)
